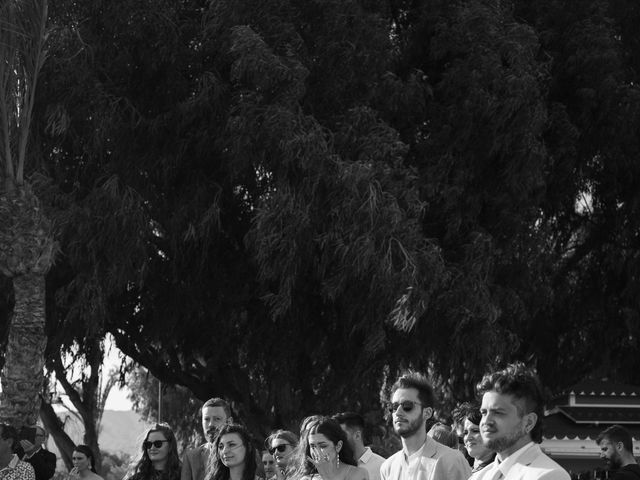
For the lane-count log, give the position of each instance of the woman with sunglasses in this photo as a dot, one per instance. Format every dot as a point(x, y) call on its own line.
point(159, 457)
point(281, 444)
point(84, 464)
point(235, 457)
point(325, 454)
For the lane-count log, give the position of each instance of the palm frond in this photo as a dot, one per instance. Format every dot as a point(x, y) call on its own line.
point(23, 34)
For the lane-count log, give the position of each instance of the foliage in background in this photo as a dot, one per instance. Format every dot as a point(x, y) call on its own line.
point(265, 200)
point(180, 409)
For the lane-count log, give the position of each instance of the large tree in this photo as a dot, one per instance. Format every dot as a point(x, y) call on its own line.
point(273, 198)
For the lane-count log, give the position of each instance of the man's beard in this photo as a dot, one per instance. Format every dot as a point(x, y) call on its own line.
point(211, 434)
point(408, 429)
point(503, 443)
point(614, 462)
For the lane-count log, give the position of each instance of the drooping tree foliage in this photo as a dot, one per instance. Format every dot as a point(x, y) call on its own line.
point(285, 202)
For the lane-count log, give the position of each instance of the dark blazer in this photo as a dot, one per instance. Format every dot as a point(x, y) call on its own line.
point(43, 463)
point(194, 463)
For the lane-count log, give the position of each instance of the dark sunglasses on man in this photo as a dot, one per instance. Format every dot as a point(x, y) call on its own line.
point(407, 406)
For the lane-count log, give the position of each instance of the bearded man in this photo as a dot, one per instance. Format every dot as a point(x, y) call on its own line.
point(421, 458)
point(616, 449)
point(511, 426)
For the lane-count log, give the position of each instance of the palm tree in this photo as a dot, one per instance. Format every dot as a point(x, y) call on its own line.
point(26, 244)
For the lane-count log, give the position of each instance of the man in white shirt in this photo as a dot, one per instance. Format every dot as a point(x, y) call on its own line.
point(421, 457)
point(353, 426)
point(511, 425)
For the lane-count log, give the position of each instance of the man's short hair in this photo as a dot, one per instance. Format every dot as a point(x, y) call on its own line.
point(616, 434)
point(218, 402)
point(443, 434)
point(419, 381)
point(523, 383)
point(467, 411)
point(352, 420)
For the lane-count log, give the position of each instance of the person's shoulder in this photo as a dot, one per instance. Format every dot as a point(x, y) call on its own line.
point(376, 457)
point(356, 473)
point(547, 468)
point(445, 451)
point(480, 474)
point(47, 453)
point(628, 472)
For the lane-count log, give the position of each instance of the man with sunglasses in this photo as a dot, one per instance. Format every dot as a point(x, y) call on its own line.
point(511, 426)
point(421, 457)
point(216, 412)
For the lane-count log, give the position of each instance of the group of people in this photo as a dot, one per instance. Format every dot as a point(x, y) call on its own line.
point(500, 436)
point(24, 458)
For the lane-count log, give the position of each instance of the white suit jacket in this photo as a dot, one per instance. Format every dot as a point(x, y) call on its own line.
point(438, 462)
point(533, 464)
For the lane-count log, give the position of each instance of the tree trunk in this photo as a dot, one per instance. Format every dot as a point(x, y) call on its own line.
point(22, 376)
point(55, 428)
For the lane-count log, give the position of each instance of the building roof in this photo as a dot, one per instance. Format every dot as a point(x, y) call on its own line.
point(602, 415)
point(585, 409)
point(603, 388)
point(559, 425)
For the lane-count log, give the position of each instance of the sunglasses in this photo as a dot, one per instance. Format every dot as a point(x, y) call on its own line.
point(406, 406)
point(156, 443)
point(280, 448)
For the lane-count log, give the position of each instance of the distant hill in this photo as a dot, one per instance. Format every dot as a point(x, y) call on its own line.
point(122, 432)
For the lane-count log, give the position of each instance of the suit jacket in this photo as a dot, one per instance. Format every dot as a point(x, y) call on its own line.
point(194, 463)
point(438, 462)
point(533, 464)
point(43, 463)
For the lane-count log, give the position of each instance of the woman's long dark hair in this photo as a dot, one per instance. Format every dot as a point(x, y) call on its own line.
point(144, 468)
point(216, 470)
point(330, 429)
point(87, 452)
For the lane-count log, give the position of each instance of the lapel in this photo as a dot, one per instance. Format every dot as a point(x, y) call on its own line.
point(430, 448)
point(517, 471)
point(203, 455)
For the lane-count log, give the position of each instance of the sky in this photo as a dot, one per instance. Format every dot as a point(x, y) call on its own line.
point(117, 399)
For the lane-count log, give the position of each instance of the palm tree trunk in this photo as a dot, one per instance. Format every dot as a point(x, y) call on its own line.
point(22, 376)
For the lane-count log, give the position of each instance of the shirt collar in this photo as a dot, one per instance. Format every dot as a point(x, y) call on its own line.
point(510, 461)
point(417, 453)
point(366, 456)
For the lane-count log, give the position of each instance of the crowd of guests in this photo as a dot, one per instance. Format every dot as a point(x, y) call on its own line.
point(495, 439)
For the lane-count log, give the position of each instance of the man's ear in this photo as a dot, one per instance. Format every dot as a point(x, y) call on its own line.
point(427, 413)
point(531, 420)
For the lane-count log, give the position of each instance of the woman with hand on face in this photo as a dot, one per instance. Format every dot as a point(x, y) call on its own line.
point(84, 464)
point(468, 417)
point(159, 458)
point(324, 453)
point(281, 444)
point(235, 457)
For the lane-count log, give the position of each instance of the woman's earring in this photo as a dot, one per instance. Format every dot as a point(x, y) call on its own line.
point(338, 461)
